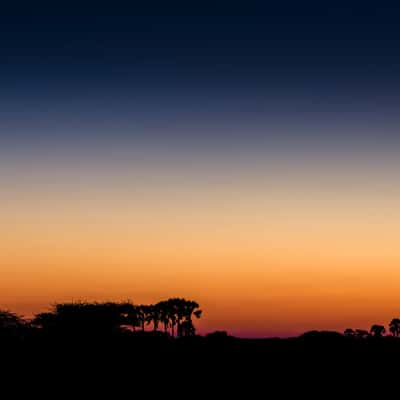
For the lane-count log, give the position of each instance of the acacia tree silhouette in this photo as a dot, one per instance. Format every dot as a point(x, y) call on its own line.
point(394, 327)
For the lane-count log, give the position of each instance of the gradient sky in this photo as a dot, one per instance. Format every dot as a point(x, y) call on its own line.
point(248, 158)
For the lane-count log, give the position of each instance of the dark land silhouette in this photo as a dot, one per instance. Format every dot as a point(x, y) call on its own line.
point(116, 345)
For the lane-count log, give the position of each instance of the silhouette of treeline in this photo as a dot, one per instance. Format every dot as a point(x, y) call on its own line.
point(168, 318)
point(376, 330)
point(124, 344)
point(174, 316)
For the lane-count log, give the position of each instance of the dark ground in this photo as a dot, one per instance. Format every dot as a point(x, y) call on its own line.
point(318, 364)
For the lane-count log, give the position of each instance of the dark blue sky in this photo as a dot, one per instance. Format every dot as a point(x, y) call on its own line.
point(291, 44)
point(93, 72)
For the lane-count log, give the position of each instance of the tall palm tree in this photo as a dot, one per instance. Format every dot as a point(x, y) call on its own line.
point(187, 328)
point(191, 309)
point(129, 315)
point(172, 314)
point(153, 316)
point(394, 326)
point(377, 330)
point(180, 310)
point(164, 314)
point(142, 315)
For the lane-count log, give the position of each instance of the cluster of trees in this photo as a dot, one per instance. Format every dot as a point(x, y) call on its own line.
point(376, 330)
point(174, 315)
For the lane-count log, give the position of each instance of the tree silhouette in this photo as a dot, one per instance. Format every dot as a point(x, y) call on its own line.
point(361, 333)
point(11, 325)
point(164, 309)
point(153, 316)
point(46, 320)
point(130, 314)
point(142, 312)
point(180, 314)
point(187, 328)
point(349, 332)
point(191, 308)
point(90, 319)
point(377, 330)
point(10, 320)
point(81, 318)
point(172, 314)
point(394, 327)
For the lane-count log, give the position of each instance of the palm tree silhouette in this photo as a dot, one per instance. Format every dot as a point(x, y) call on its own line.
point(191, 308)
point(172, 314)
point(377, 330)
point(153, 316)
point(187, 328)
point(164, 314)
point(181, 314)
point(142, 313)
point(134, 316)
point(394, 327)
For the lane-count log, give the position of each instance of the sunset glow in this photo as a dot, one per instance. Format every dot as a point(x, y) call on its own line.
point(257, 179)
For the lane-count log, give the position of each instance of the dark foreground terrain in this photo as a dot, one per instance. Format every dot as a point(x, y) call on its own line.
point(112, 350)
point(129, 364)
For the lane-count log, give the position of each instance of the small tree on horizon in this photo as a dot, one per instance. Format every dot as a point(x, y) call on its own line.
point(362, 333)
point(377, 330)
point(10, 320)
point(349, 332)
point(394, 327)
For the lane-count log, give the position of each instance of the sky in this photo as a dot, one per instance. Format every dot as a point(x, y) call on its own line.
point(244, 156)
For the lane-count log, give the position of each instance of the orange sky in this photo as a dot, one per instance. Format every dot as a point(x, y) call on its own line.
point(263, 254)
